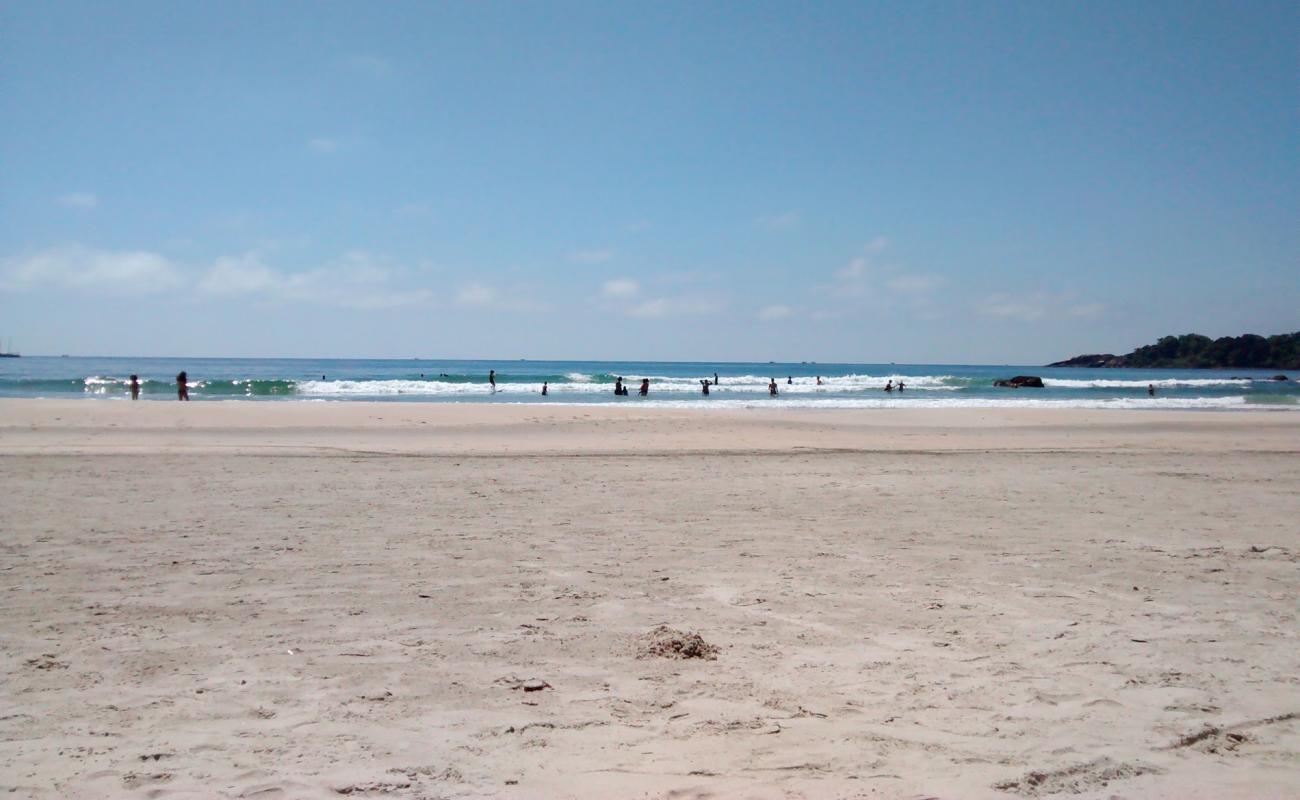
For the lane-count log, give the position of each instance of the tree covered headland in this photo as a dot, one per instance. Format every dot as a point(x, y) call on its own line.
point(1193, 351)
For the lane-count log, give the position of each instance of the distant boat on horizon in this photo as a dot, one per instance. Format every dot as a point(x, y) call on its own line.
point(7, 354)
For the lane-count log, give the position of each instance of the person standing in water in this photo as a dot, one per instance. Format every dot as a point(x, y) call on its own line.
point(715, 379)
point(544, 389)
point(705, 385)
point(819, 380)
point(901, 386)
point(1151, 390)
point(492, 379)
point(771, 387)
point(618, 387)
point(889, 385)
point(135, 387)
point(182, 386)
point(645, 386)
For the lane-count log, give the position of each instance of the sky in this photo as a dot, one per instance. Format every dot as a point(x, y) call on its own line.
point(909, 182)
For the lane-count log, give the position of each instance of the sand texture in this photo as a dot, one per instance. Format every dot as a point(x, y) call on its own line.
point(285, 600)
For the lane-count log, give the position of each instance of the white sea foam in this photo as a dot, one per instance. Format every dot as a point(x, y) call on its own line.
point(1165, 383)
point(1166, 403)
point(659, 384)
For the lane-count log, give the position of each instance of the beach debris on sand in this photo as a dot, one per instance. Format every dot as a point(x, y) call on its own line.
point(665, 642)
point(527, 684)
point(1075, 779)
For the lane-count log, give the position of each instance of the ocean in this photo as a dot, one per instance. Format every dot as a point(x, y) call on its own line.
point(672, 384)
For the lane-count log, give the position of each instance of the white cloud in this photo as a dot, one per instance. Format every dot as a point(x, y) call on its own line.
point(855, 269)
point(357, 280)
point(590, 256)
point(322, 145)
point(1087, 310)
point(775, 312)
point(786, 220)
point(1034, 306)
point(79, 200)
point(475, 295)
point(88, 269)
point(877, 244)
point(1026, 307)
point(622, 289)
point(676, 306)
point(481, 295)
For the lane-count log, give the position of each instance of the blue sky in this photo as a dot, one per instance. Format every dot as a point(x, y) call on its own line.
point(910, 182)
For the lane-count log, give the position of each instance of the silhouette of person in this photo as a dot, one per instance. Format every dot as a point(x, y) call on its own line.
point(788, 380)
point(1151, 390)
point(182, 386)
point(901, 386)
point(544, 389)
point(889, 385)
point(819, 380)
point(135, 387)
point(715, 379)
point(771, 387)
point(645, 386)
point(492, 379)
point(705, 385)
point(618, 387)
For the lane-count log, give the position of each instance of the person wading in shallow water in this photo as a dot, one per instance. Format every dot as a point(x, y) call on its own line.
point(182, 386)
point(645, 386)
point(135, 387)
point(492, 379)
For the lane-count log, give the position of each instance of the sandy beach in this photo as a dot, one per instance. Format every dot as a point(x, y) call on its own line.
point(320, 600)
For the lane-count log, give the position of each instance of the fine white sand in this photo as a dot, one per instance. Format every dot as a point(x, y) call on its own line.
point(281, 600)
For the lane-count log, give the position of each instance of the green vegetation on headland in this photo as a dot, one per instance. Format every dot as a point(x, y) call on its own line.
point(1193, 351)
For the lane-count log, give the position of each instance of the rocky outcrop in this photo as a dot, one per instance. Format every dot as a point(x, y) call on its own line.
point(1280, 378)
point(1021, 382)
point(1092, 360)
point(1193, 351)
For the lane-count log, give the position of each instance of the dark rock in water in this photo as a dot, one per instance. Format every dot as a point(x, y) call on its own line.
point(1021, 382)
point(1280, 378)
point(1091, 360)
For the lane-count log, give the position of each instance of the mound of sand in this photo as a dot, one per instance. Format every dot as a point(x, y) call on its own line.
point(666, 642)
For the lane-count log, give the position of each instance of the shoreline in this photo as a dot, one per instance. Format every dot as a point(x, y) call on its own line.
point(413, 428)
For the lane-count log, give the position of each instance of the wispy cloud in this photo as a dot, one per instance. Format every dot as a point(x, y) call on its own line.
point(775, 312)
point(83, 268)
point(1034, 306)
point(853, 270)
point(486, 296)
point(784, 221)
point(83, 200)
point(1086, 310)
point(677, 306)
point(322, 145)
point(621, 289)
point(915, 284)
point(357, 280)
point(595, 256)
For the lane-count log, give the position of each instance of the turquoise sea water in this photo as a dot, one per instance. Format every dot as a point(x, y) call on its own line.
point(671, 383)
